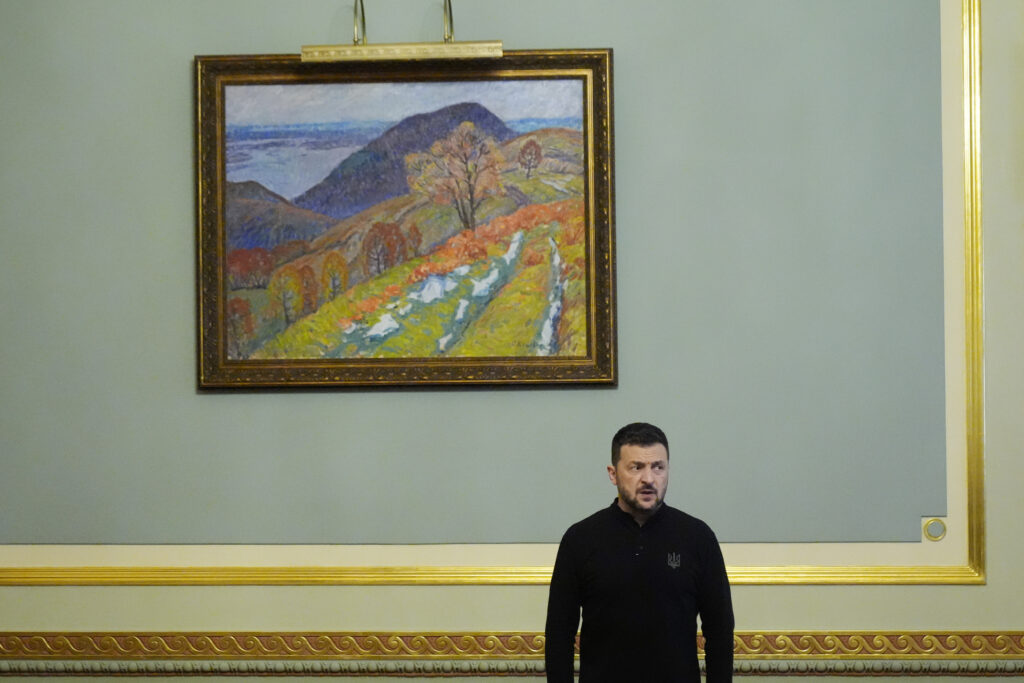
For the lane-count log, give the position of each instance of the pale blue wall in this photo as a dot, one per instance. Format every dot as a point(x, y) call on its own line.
point(779, 281)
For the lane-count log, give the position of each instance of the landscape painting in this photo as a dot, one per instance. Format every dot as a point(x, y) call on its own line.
point(448, 228)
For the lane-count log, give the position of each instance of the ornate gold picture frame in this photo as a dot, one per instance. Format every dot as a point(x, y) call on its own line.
point(405, 222)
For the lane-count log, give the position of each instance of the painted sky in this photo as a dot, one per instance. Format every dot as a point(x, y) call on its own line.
point(333, 102)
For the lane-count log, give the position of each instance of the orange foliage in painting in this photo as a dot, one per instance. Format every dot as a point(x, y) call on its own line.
point(465, 247)
point(469, 246)
point(575, 231)
point(389, 237)
point(249, 268)
point(385, 246)
point(428, 268)
point(533, 256)
point(369, 304)
point(530, 217)
point(333, 275)
point(459, 250)
point(284, 294)
point(240, 316)
point(240, 325)
point(414, 239)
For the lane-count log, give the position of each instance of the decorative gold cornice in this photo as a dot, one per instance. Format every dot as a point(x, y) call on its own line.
point(889, 645)
point(270, 645)
point(984, 645)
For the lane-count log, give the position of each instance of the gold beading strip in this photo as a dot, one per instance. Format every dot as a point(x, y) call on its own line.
point(985, 645)
point(436, 576)
point(344, 53)
point(973, 281)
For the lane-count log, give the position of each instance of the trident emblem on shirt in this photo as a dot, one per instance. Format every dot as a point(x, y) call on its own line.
point(673, 560)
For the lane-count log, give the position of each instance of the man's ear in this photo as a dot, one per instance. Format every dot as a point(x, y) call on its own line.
point(611, 475)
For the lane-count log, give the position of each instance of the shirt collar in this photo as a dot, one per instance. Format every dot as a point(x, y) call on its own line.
point(627, 518)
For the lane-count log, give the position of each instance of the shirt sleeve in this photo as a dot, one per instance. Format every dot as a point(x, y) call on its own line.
point(563, 617)
point(716, 616)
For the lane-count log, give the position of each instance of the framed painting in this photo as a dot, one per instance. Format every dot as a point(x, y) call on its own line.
point(405, 223)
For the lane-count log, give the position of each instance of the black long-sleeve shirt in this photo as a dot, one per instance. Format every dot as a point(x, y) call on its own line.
point(641, 589)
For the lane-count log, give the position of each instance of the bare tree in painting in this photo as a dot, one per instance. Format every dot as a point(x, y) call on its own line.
point(383, 248)
point(460, 170)
point(333, 276)
point(530, 156)
point(284, 294)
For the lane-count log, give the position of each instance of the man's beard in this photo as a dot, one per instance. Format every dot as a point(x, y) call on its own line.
point(633, 501)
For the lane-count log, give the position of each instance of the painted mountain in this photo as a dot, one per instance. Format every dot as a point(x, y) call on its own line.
point(256, 217)
point(377, 172)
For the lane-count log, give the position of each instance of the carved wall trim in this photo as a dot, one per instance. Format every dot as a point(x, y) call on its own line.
point(459, 669)
point(859, 653)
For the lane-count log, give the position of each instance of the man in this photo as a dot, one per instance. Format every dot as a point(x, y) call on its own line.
point(642, 572)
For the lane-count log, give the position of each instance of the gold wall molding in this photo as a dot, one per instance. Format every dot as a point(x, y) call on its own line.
point(449, 576)
point(78, 646)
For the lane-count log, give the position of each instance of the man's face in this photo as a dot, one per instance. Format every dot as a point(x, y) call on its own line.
point(641, 476)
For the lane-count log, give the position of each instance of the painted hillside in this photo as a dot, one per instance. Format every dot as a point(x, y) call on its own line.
point(481, 253)
point(377, 171)
point(255, 217)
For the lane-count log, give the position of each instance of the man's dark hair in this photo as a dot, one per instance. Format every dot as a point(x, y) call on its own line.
point(637, 434)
